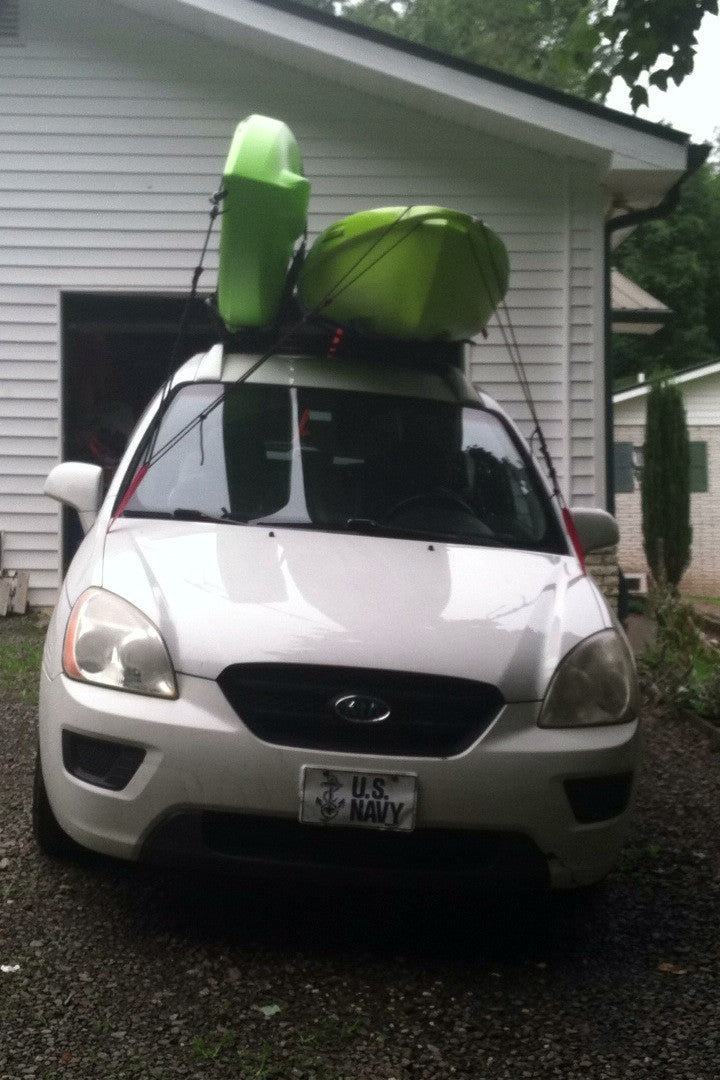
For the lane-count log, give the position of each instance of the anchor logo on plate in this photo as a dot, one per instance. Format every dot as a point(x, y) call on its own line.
point(361, 708)
point(330, 805)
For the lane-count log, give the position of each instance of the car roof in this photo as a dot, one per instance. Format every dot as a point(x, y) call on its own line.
point(439, 381)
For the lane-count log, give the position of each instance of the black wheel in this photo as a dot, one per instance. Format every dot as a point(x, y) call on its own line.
point(52, 840)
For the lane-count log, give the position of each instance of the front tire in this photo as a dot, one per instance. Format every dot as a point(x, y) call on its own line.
point(50, 837)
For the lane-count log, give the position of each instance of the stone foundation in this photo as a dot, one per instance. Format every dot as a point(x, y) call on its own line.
point(603, 566)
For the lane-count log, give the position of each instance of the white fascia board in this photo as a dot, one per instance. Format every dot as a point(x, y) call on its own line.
point(685, 377)
point(619, 327)
point(394, 74)
point(629, 395)
point(640, 186)
point(699, 373)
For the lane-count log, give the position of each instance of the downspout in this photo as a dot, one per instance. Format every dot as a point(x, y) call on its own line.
point(697, 155)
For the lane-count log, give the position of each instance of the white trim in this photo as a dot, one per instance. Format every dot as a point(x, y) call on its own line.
point(699, 373)
point(603, 430)
point(567, 362)
point(676, 380)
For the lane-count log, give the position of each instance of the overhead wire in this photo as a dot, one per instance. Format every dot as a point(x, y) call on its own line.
point(215, 210)
point(343, 283)
point(349, 277)
point(507, 330)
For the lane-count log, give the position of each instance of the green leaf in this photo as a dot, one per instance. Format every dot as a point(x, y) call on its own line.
point(567, 44)
point(598, 82)
point(638, 97)
point(660, 78)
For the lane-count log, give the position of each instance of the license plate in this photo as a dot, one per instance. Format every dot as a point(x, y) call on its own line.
point(367, 800)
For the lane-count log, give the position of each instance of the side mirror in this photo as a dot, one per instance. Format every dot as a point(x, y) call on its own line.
point(79, 485)
point(595, 528)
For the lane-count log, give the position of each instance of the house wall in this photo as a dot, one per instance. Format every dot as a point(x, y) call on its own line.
point(702, 407)
point(113, 133)
point(556, 251)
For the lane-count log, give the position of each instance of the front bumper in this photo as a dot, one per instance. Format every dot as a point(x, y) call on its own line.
point(208, 789)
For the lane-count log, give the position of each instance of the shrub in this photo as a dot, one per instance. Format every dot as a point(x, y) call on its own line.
point(665, 485)
point(680, 668)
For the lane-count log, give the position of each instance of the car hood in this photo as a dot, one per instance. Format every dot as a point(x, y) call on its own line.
point(225, 593)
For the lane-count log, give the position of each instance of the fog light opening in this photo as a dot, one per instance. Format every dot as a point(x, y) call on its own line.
point(599, 798)
point(101, 762)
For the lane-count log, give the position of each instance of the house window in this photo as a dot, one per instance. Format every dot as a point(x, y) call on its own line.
point(624, 467)
point(698, 466)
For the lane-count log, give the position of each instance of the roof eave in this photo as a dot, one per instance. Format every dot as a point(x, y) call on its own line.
point(414, 76)
point(678, 379)
point(622, 324)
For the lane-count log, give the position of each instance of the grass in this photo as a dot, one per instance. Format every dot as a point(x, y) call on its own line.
point(21, 646)
point(210, 1049)
point(305, 1051)
point(711, 601)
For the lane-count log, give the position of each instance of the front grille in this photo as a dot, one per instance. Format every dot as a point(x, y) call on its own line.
point(440, 851)
point(292, 705)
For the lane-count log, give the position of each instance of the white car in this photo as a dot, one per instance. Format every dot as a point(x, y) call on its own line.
point(329, 616)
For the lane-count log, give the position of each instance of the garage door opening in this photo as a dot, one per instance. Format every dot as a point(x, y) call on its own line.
point(117, 351)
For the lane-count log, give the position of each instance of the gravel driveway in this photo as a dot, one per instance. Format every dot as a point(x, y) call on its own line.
point(110, 972)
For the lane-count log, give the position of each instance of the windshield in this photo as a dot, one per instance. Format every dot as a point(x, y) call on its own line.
point(335, 459)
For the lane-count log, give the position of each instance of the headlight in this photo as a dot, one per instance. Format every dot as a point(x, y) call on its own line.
point(110, 643)
point(595, 684)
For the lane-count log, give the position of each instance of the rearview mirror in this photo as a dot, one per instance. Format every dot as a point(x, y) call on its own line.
point(77, 484)
point(595, 528)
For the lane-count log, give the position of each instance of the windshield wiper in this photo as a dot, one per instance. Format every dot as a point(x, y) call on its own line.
point(369, 526)
point(187, 513)
point(364, 525)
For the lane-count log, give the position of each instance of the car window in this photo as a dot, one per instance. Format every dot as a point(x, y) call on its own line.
point(339, 459)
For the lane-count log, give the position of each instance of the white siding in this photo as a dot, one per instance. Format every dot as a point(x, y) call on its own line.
point(586, 344)
point(555, 303)
point(702, 401)
point(113, 133)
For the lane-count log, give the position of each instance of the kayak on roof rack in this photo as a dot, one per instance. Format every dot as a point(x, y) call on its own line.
point(264, 211)
point(422, 272)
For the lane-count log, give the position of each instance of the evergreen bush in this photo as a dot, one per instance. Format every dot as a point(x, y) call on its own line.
point(665, 486)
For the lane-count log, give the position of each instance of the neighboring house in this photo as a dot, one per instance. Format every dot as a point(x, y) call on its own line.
point(115, 121)
point(635, 311)
point(701, 394)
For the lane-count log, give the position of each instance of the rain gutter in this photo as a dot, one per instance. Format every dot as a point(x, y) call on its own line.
point(697, 155)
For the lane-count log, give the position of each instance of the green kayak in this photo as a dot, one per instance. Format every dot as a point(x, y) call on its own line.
point(264, 212)
point(422, 272)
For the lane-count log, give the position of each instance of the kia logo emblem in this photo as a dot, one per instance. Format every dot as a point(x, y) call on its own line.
point(361, 708)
